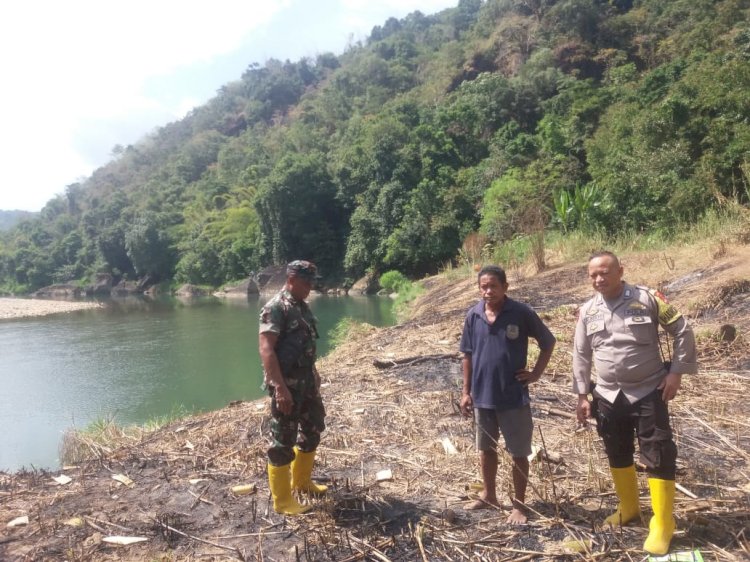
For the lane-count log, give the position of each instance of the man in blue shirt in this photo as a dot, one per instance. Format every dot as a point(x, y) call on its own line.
point(495, 343)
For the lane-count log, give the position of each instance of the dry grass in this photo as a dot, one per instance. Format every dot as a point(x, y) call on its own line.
point(97, 442)
point(403, 416)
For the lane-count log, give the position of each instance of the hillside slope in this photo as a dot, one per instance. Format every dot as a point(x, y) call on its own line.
point(494, 119)
point(391, 396)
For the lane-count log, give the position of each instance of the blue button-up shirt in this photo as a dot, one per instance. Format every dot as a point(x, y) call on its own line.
point(498, 350)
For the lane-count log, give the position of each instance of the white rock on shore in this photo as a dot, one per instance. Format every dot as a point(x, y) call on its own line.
point(22, 308)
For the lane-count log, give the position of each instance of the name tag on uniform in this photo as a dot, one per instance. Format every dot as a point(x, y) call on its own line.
point(632, 320)
point(636, 309)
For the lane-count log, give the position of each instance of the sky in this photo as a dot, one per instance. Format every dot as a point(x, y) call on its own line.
point(81, 76)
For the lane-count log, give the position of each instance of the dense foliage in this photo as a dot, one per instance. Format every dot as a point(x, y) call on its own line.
point(502, 117)
point(9, 219)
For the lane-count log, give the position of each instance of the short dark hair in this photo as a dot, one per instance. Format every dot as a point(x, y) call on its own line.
point(495, 270)
point(605, 253)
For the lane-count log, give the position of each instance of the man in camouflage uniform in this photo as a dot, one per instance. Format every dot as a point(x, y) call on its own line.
point(617, 330)
point(287, 350)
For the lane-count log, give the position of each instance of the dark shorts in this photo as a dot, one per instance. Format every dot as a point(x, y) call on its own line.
point(516, 426)
point(302, 427)
point(648, 420)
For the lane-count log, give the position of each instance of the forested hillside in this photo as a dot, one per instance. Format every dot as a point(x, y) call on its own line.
point(488, 121)
point(9, 219)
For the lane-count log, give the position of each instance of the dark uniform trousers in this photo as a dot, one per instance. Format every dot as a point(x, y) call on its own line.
point(646, 419)
point(303, 426)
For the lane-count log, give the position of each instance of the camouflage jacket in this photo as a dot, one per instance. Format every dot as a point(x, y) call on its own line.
point(294, 323)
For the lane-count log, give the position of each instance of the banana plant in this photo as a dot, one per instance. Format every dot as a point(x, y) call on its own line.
point(574, 210)
point(563, 209)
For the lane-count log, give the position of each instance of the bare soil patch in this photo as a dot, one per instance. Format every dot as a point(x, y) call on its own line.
point(403, 417)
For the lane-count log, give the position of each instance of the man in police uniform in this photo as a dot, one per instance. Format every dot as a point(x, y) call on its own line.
point(287, 350)
point(618, 329)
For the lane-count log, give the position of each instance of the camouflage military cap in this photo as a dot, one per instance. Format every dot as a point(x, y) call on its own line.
point(302, 268)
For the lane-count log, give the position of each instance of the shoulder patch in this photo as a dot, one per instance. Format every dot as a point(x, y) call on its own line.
point(659, 295)
point(667, 312)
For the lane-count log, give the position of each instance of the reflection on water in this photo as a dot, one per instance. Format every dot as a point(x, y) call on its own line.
point(135, 360)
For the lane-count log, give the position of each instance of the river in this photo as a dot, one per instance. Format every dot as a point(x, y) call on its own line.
point(136, 361)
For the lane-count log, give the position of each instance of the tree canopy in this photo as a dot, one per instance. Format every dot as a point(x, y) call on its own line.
point(493, 117)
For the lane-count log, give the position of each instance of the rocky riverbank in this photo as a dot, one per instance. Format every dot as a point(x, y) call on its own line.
point(11, 308)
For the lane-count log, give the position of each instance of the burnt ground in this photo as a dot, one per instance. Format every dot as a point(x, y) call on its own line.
point(392, 401)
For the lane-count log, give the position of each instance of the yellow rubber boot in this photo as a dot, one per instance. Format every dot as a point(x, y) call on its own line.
point(661, 527)
point(302, 466)
point(280, 482)
point(626, 487)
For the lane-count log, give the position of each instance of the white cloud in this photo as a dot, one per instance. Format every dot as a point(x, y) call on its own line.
point(83, 75)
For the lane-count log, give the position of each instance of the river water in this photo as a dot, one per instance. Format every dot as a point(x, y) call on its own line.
point(134, 361)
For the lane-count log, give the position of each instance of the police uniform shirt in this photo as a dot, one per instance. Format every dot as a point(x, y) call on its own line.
point(500, 349)
point(622, 338)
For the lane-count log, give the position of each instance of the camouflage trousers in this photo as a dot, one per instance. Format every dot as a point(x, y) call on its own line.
point(301, 427)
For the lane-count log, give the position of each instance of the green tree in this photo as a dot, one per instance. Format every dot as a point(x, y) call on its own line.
point(300, 217)
point(149, 247)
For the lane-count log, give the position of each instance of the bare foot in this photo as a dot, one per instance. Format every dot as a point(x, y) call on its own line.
point(517, 517)
point(483, 503)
